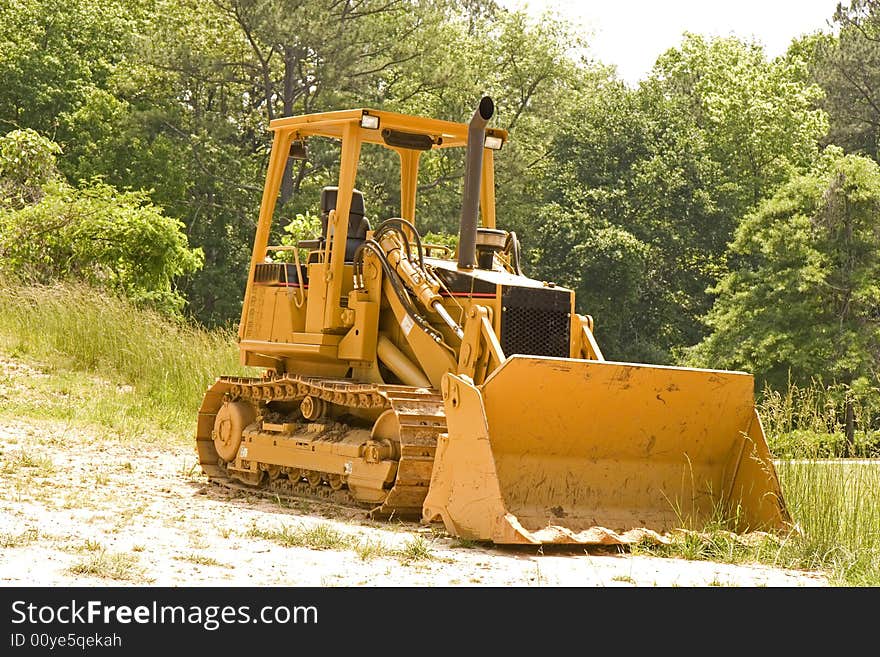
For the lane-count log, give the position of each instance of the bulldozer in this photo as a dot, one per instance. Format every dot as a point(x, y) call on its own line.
point(420, 381)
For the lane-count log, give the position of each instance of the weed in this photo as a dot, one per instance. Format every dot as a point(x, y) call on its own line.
point(41, 464)
point(202, 560)
point(117, 566)
point(9, 540)
point(319, 537)
point(368, 550)
point(190, 471)
point(416, 549)
point(717, 582)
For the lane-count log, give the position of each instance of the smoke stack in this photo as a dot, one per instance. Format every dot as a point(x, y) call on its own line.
point(473, 175)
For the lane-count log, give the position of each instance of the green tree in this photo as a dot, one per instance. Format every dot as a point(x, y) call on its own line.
point(50, 230)
point(674, 164)
point(759, 114)
point(54, 55)
point(804, 299)
point(847, 67)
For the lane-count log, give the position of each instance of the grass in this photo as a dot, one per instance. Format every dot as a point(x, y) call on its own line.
point(837, 506)
point(202, 560)
point(836, 510)
point(117, 566)
point(40, 464)
point(368, 550)
point(807, 421)
point(147, 372)
point(325, 537)
point(416, 549)
point(319, 537)
point(25, 538)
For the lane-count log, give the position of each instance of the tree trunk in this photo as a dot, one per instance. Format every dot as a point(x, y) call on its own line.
point(850, 443)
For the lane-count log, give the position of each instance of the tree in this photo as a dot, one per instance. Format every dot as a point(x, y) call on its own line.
point(675, 164)
point(759, 115)
point(847, 67)
point(610, 271)
point(53, 55)
point(804, 298)
point(51, 231)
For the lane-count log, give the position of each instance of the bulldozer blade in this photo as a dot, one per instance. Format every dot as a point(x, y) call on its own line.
point(556, 450)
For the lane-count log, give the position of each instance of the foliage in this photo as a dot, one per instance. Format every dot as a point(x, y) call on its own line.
point(759, 114)
point(27, 166)
point(673, 165)
point(808, 421)
point(804, 298)
point(94, 233)
point(167, 364)
point(448, 240)
point(55, 55)
point(607, 267)
point(847, 67)
point(304, 226)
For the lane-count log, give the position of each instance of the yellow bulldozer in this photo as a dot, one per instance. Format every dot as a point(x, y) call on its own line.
point(420, 381)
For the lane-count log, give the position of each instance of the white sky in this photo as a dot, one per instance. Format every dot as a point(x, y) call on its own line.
point(631, 34)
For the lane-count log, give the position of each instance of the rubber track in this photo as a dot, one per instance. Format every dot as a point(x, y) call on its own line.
point(419, 412)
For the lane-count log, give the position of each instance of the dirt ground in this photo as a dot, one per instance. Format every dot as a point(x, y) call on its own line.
point(81, 509)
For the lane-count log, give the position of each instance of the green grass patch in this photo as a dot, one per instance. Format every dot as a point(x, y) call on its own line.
point(145, 371)
point(835, 506)
point(319, 537)
point(116, 566)
point(416, 549)
point(325, 537)
point(369, 549)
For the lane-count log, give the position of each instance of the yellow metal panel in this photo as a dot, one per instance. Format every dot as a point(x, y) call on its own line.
point(487, 190)
point(359, 344)
point(277, 161)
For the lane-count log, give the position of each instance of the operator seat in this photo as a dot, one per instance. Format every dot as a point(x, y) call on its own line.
point(358, 224)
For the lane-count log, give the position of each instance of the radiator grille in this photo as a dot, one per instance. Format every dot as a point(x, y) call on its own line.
point(535, 321)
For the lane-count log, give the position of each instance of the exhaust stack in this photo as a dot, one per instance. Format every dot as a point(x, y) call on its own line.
point(473, 174)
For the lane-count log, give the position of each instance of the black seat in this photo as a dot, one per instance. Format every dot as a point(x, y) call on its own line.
point(358, 224)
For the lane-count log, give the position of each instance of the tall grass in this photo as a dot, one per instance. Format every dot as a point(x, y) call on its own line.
point(807, 421)
point(836, 504)
point(837, 507)
point(168, 364)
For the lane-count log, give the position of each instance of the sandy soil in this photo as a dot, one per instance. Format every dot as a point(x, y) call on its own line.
point(81, 509)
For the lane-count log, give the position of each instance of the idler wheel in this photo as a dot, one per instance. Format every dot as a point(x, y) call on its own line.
point(231, 420)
